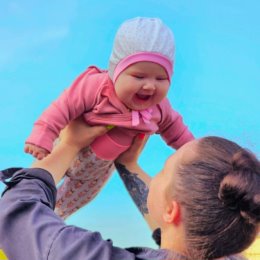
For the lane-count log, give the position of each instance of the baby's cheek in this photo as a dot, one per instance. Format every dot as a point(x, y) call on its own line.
point(164, 92)
point(160, 96)
point(127, 95)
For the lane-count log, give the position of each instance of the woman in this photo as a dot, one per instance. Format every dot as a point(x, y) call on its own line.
point(205, 201)
point(215, 185)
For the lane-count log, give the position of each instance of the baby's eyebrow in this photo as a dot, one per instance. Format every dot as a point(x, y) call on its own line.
point(138, 73)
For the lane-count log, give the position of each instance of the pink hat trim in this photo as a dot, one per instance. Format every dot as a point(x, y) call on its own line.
point(143, 56)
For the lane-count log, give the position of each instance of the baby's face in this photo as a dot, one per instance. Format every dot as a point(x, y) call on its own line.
point(142, 85)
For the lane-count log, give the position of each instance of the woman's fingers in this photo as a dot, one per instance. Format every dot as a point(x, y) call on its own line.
point(138, 143)
point(80, 134)
point(132, 154)
point(96, 131)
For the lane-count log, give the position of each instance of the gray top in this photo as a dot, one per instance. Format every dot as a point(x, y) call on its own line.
point(29, 228)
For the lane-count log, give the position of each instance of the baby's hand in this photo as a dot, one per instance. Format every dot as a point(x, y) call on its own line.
point(36, 151)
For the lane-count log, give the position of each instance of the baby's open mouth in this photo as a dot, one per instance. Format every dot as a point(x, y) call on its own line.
point(143, 97)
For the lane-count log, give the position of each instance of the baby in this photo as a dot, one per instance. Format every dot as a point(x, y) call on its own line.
point(130, 96)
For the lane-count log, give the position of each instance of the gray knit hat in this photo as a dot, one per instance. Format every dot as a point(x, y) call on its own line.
point(142, 39)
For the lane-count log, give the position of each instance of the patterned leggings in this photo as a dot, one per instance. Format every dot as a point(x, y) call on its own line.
point(85, 178)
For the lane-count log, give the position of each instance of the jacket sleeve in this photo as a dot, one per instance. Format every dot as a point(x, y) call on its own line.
point(171, 127)
point(29, 228)
point(72, 103)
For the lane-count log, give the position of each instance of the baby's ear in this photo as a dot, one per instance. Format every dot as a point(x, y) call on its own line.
point(172, 213)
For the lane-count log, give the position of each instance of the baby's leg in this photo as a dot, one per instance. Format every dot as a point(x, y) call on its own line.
point(85, 178)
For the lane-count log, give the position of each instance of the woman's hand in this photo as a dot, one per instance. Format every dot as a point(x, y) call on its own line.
point(74, 137)
point(135, 179)
point(130, 156)
point(79, 135)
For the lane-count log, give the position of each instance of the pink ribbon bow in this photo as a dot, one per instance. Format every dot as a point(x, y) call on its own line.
point(145, 114)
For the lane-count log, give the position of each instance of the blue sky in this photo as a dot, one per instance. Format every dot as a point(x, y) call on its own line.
point(44, 45)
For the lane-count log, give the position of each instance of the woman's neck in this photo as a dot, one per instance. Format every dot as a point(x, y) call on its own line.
point(173, 240)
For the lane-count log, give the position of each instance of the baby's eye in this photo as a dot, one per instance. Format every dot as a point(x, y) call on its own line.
point(138, 76)
point(161, 78)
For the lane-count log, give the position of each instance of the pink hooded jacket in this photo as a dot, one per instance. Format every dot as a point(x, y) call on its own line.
point(92, 95)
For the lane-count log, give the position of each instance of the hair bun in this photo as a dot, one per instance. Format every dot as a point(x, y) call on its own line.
point(240, 188)
point(244, 160)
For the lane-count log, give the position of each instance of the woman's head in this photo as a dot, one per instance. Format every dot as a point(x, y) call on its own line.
point(216, 184)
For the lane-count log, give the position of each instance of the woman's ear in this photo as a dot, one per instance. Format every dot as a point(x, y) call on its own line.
point(172, 213)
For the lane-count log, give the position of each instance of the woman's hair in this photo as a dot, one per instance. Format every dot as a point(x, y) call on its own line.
point(219, 192)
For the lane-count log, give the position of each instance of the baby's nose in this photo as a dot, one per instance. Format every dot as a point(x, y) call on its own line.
point(149, 85)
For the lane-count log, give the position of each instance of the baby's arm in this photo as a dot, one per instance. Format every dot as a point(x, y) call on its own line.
point(73, 102)
point(172, 128)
